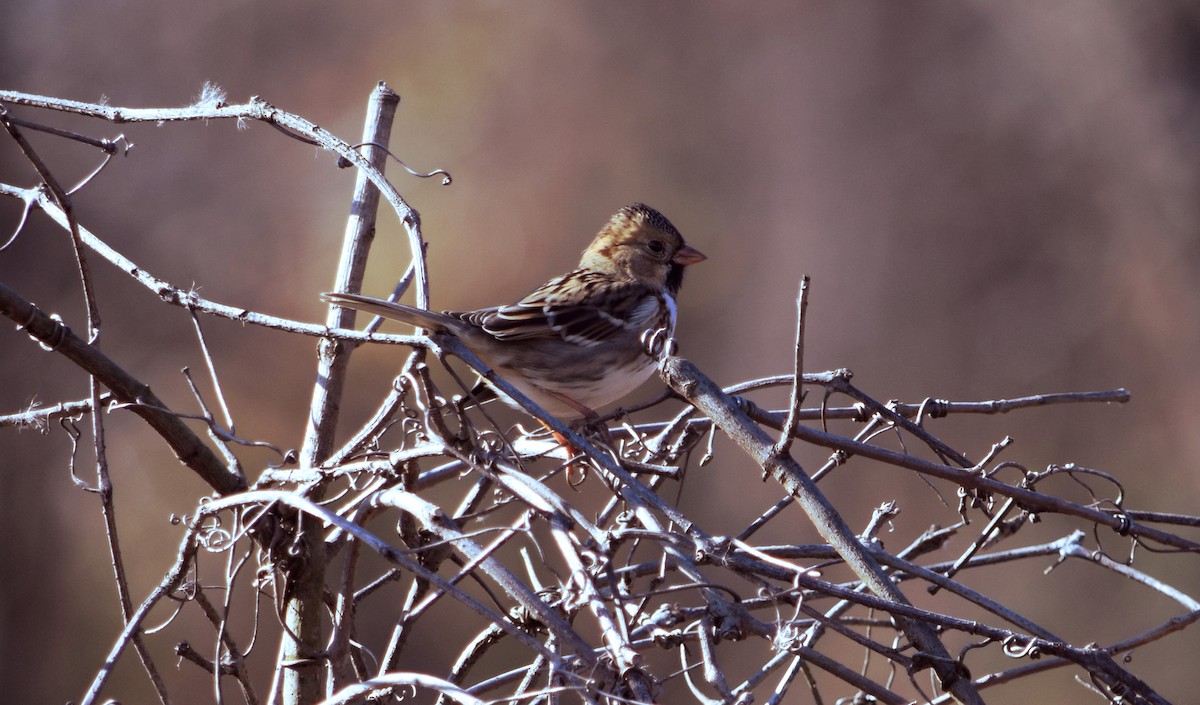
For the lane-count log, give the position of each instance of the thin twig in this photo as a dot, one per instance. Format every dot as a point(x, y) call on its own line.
point(796, 398)
point(689, 382)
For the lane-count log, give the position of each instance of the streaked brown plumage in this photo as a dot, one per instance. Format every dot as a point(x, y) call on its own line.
point(575, 343)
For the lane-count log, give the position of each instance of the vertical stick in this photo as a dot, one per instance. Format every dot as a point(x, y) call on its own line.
point(333, 356)
point(303, 639)
point(785, 438)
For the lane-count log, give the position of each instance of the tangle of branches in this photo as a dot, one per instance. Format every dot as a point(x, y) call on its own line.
point(449, 533)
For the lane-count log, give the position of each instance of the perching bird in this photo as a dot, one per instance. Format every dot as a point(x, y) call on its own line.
point(576, 342)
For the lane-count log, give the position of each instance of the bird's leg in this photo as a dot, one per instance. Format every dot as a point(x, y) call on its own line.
point(577, 471)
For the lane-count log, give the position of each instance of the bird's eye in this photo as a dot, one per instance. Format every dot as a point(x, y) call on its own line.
point(656, 246)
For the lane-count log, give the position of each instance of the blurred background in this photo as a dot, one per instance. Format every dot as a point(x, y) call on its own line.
point(993, 200)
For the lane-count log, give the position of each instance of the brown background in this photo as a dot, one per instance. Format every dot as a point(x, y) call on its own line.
point(993, 200)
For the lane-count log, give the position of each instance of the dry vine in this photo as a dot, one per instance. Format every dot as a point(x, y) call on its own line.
point(633, 602)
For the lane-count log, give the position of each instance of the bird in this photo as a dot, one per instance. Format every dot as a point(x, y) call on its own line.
point(575, 343)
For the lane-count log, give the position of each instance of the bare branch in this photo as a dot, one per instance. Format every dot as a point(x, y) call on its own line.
point(797, 396)
point(188, 448)
point(690, 383)
point(441, 520)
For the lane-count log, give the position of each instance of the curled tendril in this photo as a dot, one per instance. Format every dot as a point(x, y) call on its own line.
point(264, 576)
point(931, 408)
point(787, 637)
point(20, 224)
point(658, 343)
point(1013, 648)
point(404, 692)
point(446, 178)
point(1126, 523)
point(491, 442)
point(54, 340)
point(214, 538)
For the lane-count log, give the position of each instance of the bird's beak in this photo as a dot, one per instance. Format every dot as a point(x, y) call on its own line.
point(688, 255)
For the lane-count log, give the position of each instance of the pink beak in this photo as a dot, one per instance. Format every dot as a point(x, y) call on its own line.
point(688, 255)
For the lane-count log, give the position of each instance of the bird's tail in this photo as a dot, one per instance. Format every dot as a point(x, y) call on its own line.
point(439, 322)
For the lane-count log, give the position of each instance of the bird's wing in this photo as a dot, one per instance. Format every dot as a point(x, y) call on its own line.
point(583, 307)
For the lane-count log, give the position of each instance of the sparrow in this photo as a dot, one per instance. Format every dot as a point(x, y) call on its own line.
point(575, 343)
